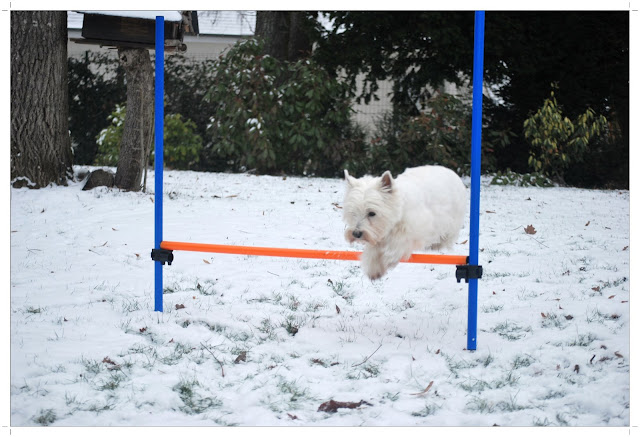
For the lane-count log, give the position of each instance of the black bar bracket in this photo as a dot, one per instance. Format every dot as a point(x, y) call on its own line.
point(162, 255)
point(467, 272)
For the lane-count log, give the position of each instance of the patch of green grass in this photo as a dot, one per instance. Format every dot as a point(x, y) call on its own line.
point(176, 355)
point(194, 402)
point(45, 417)
point(32, 310)
point(510, 330)
point(521, 361)
point(492, 308)
point(428, 410)
point(583, 340)
point(552, 320)
point(477, 404)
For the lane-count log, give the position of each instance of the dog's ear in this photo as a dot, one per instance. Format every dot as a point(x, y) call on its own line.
point(386, 182)
point(351, 181)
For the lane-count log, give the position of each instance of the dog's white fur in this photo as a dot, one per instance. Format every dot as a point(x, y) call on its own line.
point(423, 208)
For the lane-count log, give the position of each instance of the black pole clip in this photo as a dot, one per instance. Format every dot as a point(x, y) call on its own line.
point(467, 272)
point(162, 255)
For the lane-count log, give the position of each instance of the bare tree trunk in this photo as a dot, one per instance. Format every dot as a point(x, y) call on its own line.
point(299, 42)
point(40, 144)
point(273, 28)
point(138, 124)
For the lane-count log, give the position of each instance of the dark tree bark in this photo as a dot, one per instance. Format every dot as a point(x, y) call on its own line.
point(284, 34)
point(138, 125)
point(40, 144)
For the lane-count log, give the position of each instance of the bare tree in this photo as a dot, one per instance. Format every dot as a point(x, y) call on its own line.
point(40, 144)
point(138, 125)
point(284, 34)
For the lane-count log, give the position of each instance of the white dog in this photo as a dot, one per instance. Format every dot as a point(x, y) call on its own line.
point(424, 208)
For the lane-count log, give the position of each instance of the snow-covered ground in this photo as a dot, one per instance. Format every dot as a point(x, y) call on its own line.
point(267, 341)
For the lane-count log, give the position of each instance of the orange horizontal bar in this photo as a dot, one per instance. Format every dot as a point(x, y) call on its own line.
point(419, 258)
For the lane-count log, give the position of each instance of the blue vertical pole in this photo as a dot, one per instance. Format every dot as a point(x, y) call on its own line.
point(159, 156)
point(476, 143)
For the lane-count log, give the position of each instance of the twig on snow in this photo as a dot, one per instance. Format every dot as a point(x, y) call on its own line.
point(215, 358)
point(367, 359)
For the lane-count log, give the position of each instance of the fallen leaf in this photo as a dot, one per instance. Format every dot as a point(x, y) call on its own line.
point(337, 309)
point(65, 319)
point(179, 306)
point(576, 369)
point(114, 229)
point(490, 212)
point(587, 224)
point(624, 301)
point(291, 416)
point(612, 296)
point(438, 351)
point(625, 247)
point(591, 360)
point(142, 330)
point(596, 288)
point(568, 317)
point(206, 262)
point(171, 341)
point(332, 406)
point(137, 255)
point(618, 354)
point(423, 391)
point(464, 242)
point(543, 315)
point(241, 357)
point(530, 230)
point(109, 361)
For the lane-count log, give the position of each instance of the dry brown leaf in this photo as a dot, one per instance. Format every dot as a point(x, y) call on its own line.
point(618, 354)
point(588, 223)
point(612, 296)
point(337, 309)
point(625, 247)
point(423, 391)
point(543, 315)
point(241, 357)
point(530, 230)
point(332, 406)
point(179, 306)
point(206, 262)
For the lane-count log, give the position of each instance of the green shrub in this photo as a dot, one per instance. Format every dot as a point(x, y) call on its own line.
point(509, 177)
point(555, 141)
point(96, 85)
point(275, 116)
point(110, 137)
point(182, 146)
point(441, 135)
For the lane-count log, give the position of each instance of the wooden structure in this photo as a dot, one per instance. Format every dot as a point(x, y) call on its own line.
point(131, 29)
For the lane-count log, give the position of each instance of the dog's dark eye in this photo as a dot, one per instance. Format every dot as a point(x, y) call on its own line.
point(372, 214)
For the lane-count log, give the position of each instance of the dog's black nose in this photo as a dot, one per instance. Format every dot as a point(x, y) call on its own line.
point(357, 234)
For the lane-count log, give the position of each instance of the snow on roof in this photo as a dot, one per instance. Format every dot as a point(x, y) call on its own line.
point(146, 15)
point(236, 23)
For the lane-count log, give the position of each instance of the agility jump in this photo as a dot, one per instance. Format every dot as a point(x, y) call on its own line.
point(467, 267)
